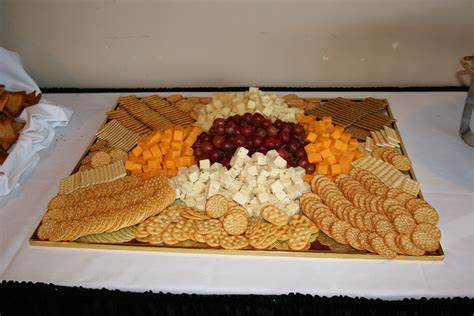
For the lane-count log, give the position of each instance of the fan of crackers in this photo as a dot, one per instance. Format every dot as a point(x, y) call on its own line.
point(11, 106)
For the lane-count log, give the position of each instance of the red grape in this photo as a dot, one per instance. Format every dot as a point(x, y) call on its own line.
point(230, 128)
point(261, 133)
point(257, 141)
point(246, 130)
point(206, 138)
point(298, 129)
point(284, 136)
point(228, 145)
point(218, 140)
point(303, 162)
point(272, 131)
point(239, 141)
point(248, 117)
point(283, 153)
point(310, 168)
point(257, 119)
point(218, 122)
point(215, 155)
point(206, 147)
point(266, 123)
point(292, 147)
point(220, 130)
point(278, 143)
point(278, 123)
point(270, 142)
point(300, 152)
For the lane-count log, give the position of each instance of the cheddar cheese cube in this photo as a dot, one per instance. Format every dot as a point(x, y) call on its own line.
point(312, 137)
point(137, 151)
point(326, 153)
point(314, 157)
point(322, 168)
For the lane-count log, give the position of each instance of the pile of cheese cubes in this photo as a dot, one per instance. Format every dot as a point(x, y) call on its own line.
point(330, 148)
point(163, 152)
point(227, 104)
point(251, 181)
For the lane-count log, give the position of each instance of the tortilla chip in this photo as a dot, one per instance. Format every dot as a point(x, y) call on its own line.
point(15, 102)
point(7, 131)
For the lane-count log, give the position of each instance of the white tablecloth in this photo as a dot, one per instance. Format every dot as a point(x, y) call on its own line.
point(429, 124)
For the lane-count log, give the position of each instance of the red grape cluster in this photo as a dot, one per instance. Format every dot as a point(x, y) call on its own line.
point(257, 134)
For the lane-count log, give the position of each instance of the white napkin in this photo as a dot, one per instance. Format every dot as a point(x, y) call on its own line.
point(41, 119)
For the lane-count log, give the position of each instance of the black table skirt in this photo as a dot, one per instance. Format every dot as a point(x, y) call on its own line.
point(48, 299)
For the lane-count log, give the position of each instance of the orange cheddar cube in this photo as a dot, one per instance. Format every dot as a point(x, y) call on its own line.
point(353, 144)
point(154, 139)
point(137, 167)
point(137, 151)
point(178, 134)
point(308, 178)
point(337, 132)
point(346, 158)
point(346, 168)
point(331, 159)
point(358, 154)
point(176, 145)
point(322, 168)
point(166, 137)
point(147, 154)
point(169, 164)
point(155, 151)
point(314, 157)
point(174, 154)
point(152, 164)
point(310, 148)
point(312, 137)
point(327, 120)
point(327, 143)
point(345, 137)
point(326, 153)
point(129, 165)
point(187, 151)
point(340, 145)
point(335, 169)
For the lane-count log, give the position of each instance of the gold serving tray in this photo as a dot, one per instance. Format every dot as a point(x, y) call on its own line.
point(323, 247)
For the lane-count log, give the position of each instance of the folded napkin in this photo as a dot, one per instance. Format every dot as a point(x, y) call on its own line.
point(41, 119)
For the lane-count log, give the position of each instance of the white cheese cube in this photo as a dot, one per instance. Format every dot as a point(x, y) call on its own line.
point(261, 179)
point(192, 175)
point(186, 187)
point(284, 174)
point(204, 164)
point(263, 197)
point(274, 173)
point(279, 162)
point(190, 201)
point(281, 195)
point(253, 170)
point(204, 176)
point(264, 173)
point(240, 198)
point(225, 111)
point(300, 171)
point(198, 187)
point(286, 182)
point(235, 186)
point(241, 152)
point(267, 111)
point(251, 105)
point(276, 186)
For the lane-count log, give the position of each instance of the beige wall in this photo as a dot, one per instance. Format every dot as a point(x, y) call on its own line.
point(319, 43)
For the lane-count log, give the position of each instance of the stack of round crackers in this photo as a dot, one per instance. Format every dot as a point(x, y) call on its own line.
point(227, 225)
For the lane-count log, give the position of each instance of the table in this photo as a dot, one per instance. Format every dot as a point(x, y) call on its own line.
point(429, 124)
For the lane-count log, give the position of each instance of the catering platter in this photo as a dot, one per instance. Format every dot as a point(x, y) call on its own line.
point(347, 190)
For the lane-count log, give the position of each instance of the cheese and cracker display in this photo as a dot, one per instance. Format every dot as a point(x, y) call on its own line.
point(246, 173)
